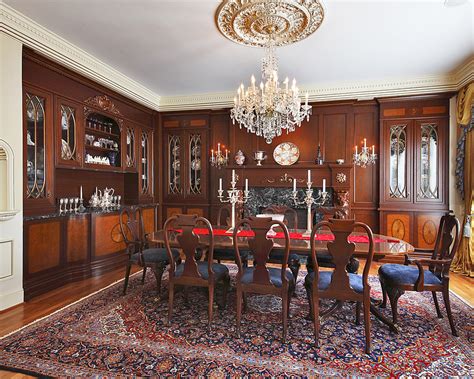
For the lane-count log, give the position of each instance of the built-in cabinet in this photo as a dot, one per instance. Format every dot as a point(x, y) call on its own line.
point(185, 188)
point(414, 143)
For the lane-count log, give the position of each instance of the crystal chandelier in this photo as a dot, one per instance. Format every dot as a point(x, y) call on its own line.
point(270, 108)
point(365, 157)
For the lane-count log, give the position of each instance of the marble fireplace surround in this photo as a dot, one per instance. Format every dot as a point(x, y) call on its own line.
point(263, 197)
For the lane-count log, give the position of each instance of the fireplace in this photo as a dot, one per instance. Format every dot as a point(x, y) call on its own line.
point(262, 197)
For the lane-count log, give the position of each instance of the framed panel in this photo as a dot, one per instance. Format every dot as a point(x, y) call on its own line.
point(68, 133)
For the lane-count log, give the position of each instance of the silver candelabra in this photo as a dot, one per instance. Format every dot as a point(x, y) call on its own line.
point(309, 200)
point(234, 196)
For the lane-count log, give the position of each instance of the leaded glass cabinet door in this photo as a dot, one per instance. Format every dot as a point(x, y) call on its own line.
point(174, 164)
point(196, 164)
point(131, 142)
point(146, 164)
point(398, 161)
point(38, 148)
point(429, 155)
point(68, 129)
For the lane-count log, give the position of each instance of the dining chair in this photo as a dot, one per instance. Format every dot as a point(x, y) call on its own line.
point(193, 272)
point(138, 247)
point(338, 284)
point(224, 253)
point(291, 221)
point(395, 279)
point(260, 278)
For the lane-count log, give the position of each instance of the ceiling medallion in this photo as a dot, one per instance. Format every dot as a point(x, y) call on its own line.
point(252, 22)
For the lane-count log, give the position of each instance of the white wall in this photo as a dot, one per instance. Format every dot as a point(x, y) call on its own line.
point(11, 231)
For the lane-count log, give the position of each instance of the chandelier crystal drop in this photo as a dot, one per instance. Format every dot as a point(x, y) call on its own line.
point(270, 108)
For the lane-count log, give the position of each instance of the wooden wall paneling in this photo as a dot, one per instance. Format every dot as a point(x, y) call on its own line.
point(336, 127)
point(106, 236)
point(149, 219)
point(158, 174)
point(426, 229)
point(43, 246)
point(201, 212)
point(77, 238)
point(221, 127)
point(172, 211)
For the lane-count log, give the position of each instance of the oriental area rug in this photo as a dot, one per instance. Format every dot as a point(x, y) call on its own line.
point(107, 334)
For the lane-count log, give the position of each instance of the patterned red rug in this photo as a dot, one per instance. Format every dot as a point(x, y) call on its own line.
point(108, 334)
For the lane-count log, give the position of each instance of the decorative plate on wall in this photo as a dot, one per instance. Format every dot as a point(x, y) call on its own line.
point(286, 154)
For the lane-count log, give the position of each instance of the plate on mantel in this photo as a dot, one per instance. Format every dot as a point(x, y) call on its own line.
point(286, 154)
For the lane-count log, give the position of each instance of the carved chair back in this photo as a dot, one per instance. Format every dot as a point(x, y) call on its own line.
point(447, 243)
point(132, 229)
point(189, 243)
point(260, 247)
point(291, 217)
point(341, 251)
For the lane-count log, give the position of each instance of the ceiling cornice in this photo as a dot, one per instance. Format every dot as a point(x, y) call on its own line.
point(366, 90)
point(49, 44)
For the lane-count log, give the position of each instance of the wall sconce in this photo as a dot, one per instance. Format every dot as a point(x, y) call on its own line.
point(365, 157)
point(218, 157)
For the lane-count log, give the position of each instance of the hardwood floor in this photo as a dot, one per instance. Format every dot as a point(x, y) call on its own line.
point(41, 306)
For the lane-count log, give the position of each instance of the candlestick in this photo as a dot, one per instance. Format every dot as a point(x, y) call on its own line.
point(309, 200)
point(234, 196)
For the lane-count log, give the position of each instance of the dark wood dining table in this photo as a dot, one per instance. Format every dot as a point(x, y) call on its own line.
point(384, 246)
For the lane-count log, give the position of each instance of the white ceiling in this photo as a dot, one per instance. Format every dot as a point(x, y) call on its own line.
point(173, 47)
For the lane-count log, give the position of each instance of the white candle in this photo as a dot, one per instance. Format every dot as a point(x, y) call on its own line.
point(233, 175)
point(373, 149)
point(294, 185)
point(365, 143)
point(324, 185)
point(356, 149)
point(80, 192)
point(212, 154)
point(218, 148)
point(309, 176)
point(220, 184)
point(246, 184)
point(226, 154)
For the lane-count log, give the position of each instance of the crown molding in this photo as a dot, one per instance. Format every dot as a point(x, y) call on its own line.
point(49, 44)
point(366, 90)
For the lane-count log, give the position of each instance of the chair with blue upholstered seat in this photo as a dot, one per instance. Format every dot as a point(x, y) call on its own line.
point(395, 279)
point(138, 248)
point(338, 284)
point(193, 272)
point(259, 278)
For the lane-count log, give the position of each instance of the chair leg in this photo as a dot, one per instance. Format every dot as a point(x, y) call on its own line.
point(358, 305)
point(393, 295)
point(315, 315)
point(225, 291)
point(367, 325)
point(284, 308)
point(144, 274)
point(158, 271)
point(447, 304)
point(244, 295)
point(435, 299)
point(310, 301)
point(211, 306)
point(239, 310)
point(384, 295)
point(170, 302)
point(127, 275)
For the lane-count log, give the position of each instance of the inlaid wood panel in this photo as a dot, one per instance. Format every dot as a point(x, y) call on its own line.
point(149, 219)
point(196, 211)
point(43, 246)
point(398, 226)
point(109, 240)
point(77, 239)
point(426, 230)
point(173, 211)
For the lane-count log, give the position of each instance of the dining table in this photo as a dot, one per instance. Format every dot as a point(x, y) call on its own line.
point(384, 246)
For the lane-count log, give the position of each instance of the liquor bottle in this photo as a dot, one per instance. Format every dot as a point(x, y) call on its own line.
point(319, 157)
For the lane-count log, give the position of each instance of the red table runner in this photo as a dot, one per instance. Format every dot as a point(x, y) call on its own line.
point(296, 236)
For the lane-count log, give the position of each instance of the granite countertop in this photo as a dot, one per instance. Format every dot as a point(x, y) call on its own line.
point(97, 211)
